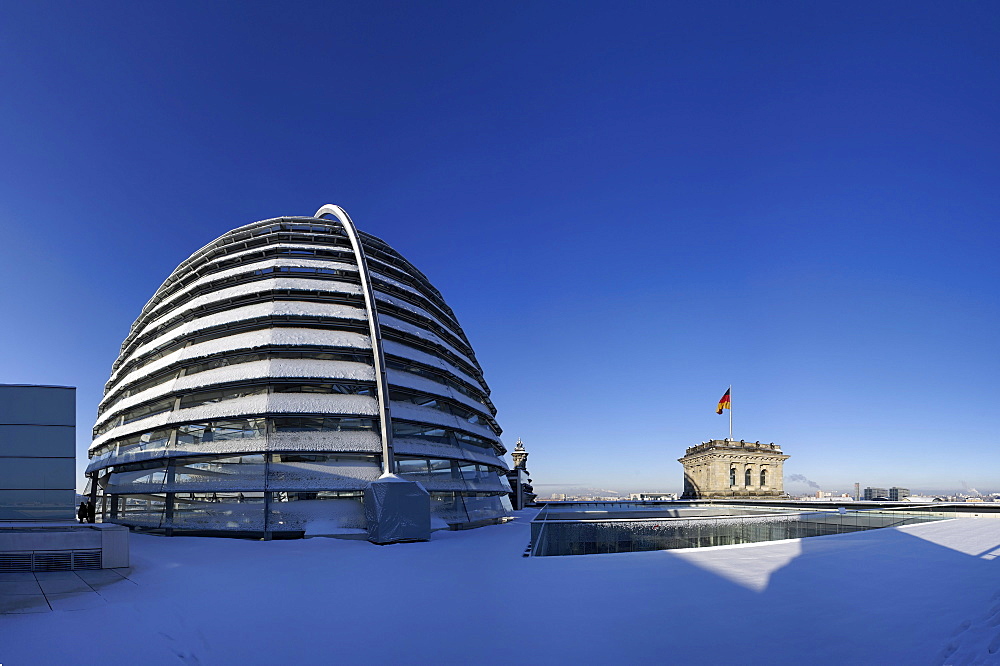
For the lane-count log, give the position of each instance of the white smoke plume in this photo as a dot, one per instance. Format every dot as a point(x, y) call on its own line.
point(802, 479)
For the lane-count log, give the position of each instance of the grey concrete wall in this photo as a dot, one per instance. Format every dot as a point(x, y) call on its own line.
point(37, 405)
point(39, 473)
point(37, 452)
point(34, 441)
point(112, 540)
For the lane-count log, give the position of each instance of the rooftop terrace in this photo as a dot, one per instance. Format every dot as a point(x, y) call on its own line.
point(919, 594)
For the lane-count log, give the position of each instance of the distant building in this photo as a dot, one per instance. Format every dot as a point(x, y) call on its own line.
point(652, 497)
point(722, 468)
point(876, 494)
point(898, 494)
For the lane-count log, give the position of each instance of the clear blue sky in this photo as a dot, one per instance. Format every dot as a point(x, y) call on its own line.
point(628, 205)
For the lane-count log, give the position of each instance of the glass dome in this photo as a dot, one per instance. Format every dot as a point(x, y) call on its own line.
point(246, 398)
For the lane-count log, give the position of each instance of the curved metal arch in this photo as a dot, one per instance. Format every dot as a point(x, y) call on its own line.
point(381, 382)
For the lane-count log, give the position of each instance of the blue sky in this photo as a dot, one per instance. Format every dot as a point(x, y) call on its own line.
point(629, 207)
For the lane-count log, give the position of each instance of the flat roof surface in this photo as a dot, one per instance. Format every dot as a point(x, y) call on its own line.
point(919, 594)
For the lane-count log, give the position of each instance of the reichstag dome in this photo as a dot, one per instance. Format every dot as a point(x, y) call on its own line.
point(280, 370)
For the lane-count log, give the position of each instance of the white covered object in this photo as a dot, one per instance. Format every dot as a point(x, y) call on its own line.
point(397, 510)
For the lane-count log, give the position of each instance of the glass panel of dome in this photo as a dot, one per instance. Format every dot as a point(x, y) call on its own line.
point(442, 467)
point(412, 466)
point(218, 473)
point(319, 472)
point(148, 441)
point(448, 507)
point(148, 510)
point(321, 513)
point(481, 506)
point(140, 480)
point(206, 397)
point(147, 410)
point(233, 511)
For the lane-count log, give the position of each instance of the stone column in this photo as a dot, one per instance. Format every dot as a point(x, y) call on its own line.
point(720, 476)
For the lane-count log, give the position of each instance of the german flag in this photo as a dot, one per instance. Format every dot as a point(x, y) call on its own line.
point(724, 402)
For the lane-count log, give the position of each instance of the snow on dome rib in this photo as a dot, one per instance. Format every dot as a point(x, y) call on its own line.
point(376, 275)
point(249, 269)
point(255, 287)
point(429, 386)
point(283, 403)
point(248, 341)
point(248, 313)
point(158, 300)
point(257, 250)
point(444, 313)
point(420, 312)
point(409, 412)
point(405, 351)
point(405, 327)
point(344, 442)
point(255, 370)
point(429, 449)
point(220, 417)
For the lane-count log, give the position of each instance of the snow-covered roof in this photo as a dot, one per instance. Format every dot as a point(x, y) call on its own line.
point(912, 595)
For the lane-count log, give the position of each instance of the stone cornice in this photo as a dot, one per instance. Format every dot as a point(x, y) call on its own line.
point(730, 445)
point(706, 456)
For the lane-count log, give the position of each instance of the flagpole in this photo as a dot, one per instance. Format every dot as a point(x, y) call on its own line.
point(730, 412)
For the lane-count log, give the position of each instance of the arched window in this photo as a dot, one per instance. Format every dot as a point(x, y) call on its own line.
point(732, 476)
point(763, 478)
point(746, 478)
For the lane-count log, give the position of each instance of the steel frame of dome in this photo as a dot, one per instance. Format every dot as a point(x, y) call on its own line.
point(255, 394)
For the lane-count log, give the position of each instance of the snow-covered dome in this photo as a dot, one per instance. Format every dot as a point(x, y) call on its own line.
point(249, 396)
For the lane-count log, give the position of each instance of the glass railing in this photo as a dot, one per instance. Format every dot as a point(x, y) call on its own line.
point(584, 530)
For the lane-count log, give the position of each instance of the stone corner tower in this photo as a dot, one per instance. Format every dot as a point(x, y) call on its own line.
point(519, 455)
point(521, 492)
point(725, 468)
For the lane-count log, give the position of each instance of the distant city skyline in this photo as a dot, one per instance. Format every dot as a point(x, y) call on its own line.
point(628, 208)
point(545, 491)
